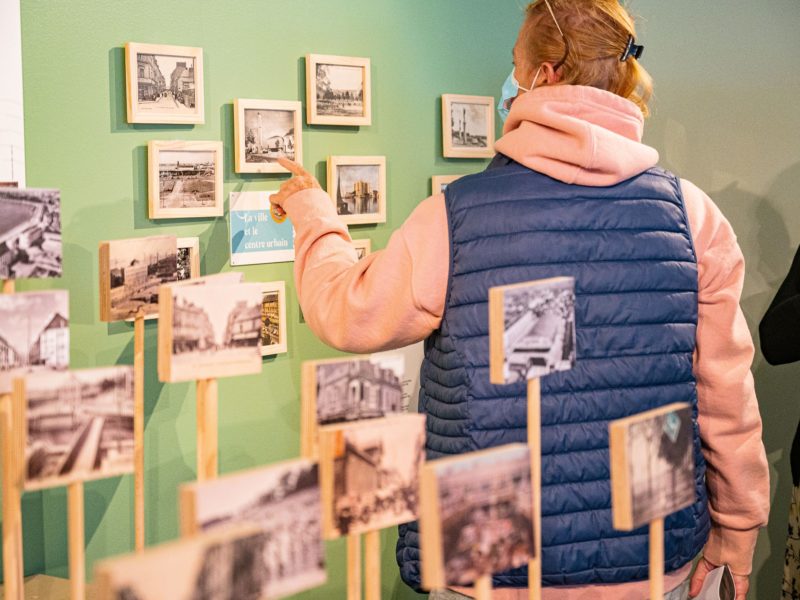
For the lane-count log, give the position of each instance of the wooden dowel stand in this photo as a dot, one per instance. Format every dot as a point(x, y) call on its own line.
point(8, 286)
point(138, 432)
point(11, 415)
point(535, 448)
point(207, 428)
point(77, 555)
point(372, 576)
point(483, 588)
point(657, 559)
point(354, 566)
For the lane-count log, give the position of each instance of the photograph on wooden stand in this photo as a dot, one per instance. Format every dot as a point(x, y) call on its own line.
point(30, 233)
point(283, 500)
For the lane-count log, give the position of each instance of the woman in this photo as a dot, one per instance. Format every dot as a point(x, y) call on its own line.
point(572, 192)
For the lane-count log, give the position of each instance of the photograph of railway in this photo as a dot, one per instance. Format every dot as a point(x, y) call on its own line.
point(30, 233)
point(80, 426)
point(34, 334)
point(284, 501)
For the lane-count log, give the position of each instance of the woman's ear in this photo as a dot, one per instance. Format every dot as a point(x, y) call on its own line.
point(551, 75)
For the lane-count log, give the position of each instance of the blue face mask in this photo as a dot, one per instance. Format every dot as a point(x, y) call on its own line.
point(510, 91)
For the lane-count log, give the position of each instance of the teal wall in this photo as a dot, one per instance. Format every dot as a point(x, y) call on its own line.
point(724, 116)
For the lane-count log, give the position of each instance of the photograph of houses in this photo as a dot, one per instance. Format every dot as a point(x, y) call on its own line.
point(166, 84)
point(30, 233)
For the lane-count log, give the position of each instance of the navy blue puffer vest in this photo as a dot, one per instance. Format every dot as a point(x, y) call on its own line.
point(630, 251)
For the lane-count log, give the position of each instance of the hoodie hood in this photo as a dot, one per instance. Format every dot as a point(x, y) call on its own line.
point(577, 134)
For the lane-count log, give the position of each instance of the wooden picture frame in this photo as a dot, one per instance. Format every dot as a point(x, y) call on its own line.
point(322, 110)
point(270, 313)
point(164, 177)
point(363, 247)
point(264, 143)
point(188, 266)
point(153, 96)
point(471, 134)
point(440, 182)
point(355, 207)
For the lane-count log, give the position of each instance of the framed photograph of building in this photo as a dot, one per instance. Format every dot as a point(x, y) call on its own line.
point(164, 84)
point(264, 131)
point(531, 329)
point(467, 126)
point(357, 185)
point(131, 271)
point(283, 500)
point(273, 318)
point(477, 515)
point(34, 334)
point(209, 327)
point(369, 472)
point(184, 179)
point(30, 233)
point(338, 90)
point(439, 183)
point(188, 258)
point(652, 465)
point(363, 247)
point(79, 426)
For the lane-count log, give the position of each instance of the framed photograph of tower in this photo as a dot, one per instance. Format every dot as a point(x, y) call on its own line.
point(164, 84)
point(338, 90)
point(467, 126)
point(264, 131)
point(357, 185)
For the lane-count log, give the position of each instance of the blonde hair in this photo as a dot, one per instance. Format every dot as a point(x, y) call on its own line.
point(597, 33)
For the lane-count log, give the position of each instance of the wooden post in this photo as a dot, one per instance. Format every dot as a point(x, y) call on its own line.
point(657, 559)
point(207, 428)
point(483, 588)
point(75, 526)
point(138, 432)
point(12, 416)
point(8, 286)
point(353, 566)
point(535, 448)
point(372, 575)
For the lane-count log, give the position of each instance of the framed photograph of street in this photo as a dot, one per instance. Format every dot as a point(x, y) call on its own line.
point(363, 247)
point(30, 233)
point(531, 329)
point(439, 183)
point(188, 258)
point(652, 465)
point(164, 84)
point(338, 90)
point(258, 234)
point(467, 126)
point(477, 515)
point(131, 271)
point(273, 318)
point(369, 473)
point(264, 131)
point(79, 425)
point(283, 500)
point(357, 185)
point(184, 179)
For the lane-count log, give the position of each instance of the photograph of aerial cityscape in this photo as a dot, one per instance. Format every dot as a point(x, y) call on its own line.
point(185, 179)
point(30, 233)
point(266, 130)
point(79, 426)
point(34, 334)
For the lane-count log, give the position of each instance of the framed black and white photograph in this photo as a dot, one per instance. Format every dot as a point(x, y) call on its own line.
point(467, 126)
point(79, 426)
point(357, 184)
point(34, 334)
point(188, 258)
point(264, 131)
point(185, 179)
point(273, 318)
point(338, 90)
point(363, 247)
point(284, 501)
point(531, 329)
point(439, 183)
point(164, 84)
point(30, 233)
point(652, 465)
point(477, 515)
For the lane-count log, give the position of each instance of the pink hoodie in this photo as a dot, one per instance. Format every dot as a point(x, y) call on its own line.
point(396, 297)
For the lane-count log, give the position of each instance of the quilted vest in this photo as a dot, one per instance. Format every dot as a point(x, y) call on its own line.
point(631, 253)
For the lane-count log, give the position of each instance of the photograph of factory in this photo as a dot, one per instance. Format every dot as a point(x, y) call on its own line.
point(376, 473)
point(30, 233)
point(79, 426)
point(34, 334)
point(283, 500)
point(485, 510)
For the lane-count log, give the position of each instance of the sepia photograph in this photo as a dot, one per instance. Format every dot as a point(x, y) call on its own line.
point(652, 465)
point(266, 130)
point(284, 501)
point(363, 248)
point(185, 179)
point(131, 271)
point(373, 473)
point(338, 90)
point(357, 185)
point(30, 233)
point(165, 83)
point(439, 183)
point(273, 318)
point(79, 426)
point(34, 334)
point(532, 329)
point(468, 126)
point(188, 258)
point(484, 521)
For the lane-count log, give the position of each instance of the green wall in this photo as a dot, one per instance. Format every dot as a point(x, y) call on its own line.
point(724, 116)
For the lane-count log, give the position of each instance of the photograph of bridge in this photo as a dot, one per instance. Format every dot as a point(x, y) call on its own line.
point(79, 426)
point(30, 233)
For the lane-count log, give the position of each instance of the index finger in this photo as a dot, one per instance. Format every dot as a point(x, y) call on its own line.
point(292, 166)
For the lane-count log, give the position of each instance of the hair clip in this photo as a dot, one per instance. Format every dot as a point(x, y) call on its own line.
point(632, 49)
